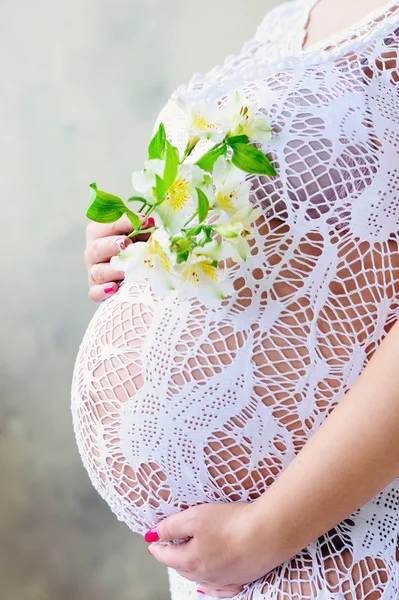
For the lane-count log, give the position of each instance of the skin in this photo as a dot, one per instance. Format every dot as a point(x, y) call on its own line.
point(102, 241)
point(333, 474)
point(332, 16)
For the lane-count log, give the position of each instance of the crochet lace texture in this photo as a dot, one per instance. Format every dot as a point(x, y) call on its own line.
point(175, 404)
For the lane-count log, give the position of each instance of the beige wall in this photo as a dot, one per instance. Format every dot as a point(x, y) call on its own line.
point(82, 82)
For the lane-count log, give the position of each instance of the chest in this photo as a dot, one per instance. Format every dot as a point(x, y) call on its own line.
point(328, 18)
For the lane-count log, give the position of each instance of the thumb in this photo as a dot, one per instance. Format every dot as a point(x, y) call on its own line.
point(146, 223)
point(175, 527)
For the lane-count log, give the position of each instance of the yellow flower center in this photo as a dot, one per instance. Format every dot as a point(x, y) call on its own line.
point(224, 200)
point(157, 251)
point(244, 112)
point(192, 272)
point(178, 194)
point(209, 271)
point(200, 123)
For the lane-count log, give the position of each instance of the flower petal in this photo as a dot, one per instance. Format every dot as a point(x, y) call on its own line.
point(140, 182)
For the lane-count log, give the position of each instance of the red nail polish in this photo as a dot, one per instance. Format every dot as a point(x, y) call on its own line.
point(120, 244)
point(109, 289)
point(201, 592)
point(148, 223)
point(151, 535)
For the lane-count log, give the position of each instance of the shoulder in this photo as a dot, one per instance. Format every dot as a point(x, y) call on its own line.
point(280, 16)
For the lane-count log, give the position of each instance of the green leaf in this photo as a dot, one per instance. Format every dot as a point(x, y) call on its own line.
point(156, 148)
point(171, 164)
point(237, 139)
point(134, 219)
point(203, 205)
point(160, 189)
point(207, 161)
point(194, 231)
point(251, 160)
point(104, 207)
point(182, 257)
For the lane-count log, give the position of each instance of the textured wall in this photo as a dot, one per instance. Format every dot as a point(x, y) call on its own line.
point(82, 83)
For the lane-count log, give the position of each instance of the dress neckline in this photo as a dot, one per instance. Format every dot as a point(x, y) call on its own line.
point(342, 40)
point(377, 24)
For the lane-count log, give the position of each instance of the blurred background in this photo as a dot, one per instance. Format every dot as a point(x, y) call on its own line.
point(82, 84)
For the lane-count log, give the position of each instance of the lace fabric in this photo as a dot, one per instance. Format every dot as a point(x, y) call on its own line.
point(175, 404)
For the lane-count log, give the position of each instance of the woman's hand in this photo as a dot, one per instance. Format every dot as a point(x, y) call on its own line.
point(104, 240)
point(223, 553)
point(327, 481)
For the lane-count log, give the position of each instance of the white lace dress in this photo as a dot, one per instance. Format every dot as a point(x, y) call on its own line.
point(175, 404)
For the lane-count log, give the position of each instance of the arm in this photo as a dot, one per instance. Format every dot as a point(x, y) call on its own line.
point(353, 455)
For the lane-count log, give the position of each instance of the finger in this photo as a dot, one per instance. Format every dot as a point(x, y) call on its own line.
point(96, 230)
point(219, 592)
point(173, 555)
point(176, 527)
point(102, 249)
point(104, 273)
point(121, 226)
point(98, 293)
point(188, 575)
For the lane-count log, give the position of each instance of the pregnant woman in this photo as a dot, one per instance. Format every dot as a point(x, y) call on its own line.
point(263, 435)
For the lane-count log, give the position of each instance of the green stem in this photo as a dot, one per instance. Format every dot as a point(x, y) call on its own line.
point(189, 148)
point(191, 218)
point(150, 210)
point(140, 231)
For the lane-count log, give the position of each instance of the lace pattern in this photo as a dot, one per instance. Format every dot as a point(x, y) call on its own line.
point(174, 404)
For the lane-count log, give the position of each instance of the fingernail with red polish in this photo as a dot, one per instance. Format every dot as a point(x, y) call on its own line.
point(120, 244)
point(109, 289)
point(201, 592)
point(151, 535)
point(148, 223)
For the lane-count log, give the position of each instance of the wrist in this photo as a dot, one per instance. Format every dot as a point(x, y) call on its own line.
point(272, 538)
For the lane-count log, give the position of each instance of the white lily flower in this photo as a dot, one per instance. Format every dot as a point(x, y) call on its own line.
point(181, 200)
point(206, 120)
point(242, 114)
point(199, 278)
point(143, 181)
point(232, 191)
point(211, 250)
point(151, 259)
point(235, 232)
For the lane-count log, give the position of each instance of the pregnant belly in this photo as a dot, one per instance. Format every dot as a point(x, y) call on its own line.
point(174, 405)
point(171, 409)
point(166, 409)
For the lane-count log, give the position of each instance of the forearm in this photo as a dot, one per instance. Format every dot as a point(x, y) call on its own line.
point(352, 456)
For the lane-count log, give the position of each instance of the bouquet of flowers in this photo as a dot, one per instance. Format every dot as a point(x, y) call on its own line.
point(201, 211)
